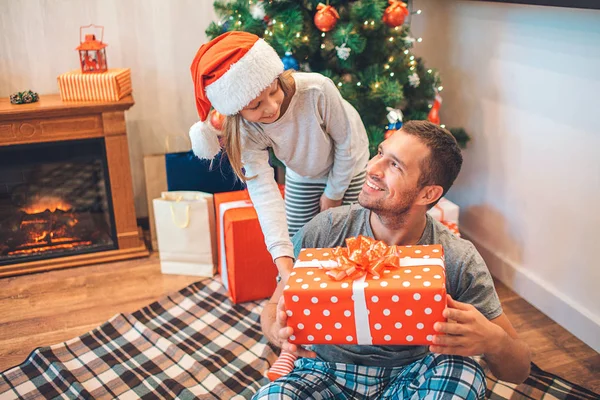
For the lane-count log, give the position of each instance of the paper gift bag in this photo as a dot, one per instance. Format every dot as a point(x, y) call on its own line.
point(185, 226)
point(182, 171)
point(156, 183)
point(396, 300)
point(185, 171)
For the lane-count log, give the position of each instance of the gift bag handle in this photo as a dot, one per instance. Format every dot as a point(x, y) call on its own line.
point(187, 215)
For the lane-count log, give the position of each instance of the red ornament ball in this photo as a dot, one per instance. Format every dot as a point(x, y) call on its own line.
point(217, 119)
point(389, 133)
point(326, 17)
point(395, 14)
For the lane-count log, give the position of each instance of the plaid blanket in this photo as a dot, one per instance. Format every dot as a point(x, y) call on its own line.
point(194, 344)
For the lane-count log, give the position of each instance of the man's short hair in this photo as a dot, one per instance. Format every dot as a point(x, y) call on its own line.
point(445, 159)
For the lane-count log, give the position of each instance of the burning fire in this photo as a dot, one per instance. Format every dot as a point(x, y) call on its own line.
point(49, 203)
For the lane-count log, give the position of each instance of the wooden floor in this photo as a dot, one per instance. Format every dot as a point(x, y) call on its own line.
point(46, 308)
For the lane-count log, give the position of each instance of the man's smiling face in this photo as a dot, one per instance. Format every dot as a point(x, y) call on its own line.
point(392, 184)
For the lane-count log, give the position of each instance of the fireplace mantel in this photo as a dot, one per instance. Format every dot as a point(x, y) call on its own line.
point(51, 120)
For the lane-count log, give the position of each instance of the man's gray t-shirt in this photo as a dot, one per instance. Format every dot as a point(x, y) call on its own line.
point(467, 278)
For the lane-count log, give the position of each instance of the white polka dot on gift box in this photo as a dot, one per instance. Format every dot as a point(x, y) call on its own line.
point(405, 303)
point(319, 309)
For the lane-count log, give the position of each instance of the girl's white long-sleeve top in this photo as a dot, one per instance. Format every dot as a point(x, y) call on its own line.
point(320, 138)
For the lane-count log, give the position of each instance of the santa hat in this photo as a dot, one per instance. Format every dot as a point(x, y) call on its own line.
point(228, 73)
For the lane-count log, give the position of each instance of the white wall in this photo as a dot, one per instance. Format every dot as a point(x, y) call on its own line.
point(524, 82)
point(157, 39)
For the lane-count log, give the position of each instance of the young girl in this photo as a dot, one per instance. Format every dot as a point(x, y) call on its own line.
point(302, 116)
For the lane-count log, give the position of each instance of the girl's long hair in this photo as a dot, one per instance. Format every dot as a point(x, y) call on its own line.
point(231, 131)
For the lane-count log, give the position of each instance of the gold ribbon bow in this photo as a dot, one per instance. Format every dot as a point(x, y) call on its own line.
point(362, 256)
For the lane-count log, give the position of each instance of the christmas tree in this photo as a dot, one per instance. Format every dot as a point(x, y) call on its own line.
point(364, 46)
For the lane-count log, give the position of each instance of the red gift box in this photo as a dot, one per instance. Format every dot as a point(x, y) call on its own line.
point(392, 296)
point(246, 266)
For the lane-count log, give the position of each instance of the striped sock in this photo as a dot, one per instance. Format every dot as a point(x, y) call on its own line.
point(282, 366)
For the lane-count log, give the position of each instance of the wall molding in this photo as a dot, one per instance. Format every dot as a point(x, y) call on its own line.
point(571, 315)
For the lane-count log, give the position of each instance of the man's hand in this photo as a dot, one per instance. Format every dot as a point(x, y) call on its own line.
point(327, 203)
point(280, 333)
point(471, 333)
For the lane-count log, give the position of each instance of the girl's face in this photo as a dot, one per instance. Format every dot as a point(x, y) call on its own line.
point(266, 107)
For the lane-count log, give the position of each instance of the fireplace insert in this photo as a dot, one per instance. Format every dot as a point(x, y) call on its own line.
point(55, 201)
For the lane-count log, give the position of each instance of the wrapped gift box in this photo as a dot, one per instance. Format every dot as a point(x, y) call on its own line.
point(446, 212)
point(246, 267)
point(399, 307)
point(111, 85)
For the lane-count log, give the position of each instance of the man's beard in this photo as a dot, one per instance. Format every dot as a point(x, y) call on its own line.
point(394, 214)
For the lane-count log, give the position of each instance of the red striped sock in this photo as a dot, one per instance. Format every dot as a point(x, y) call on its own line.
point(282, 366)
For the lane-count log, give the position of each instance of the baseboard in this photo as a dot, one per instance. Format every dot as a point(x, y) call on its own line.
point(566, 312)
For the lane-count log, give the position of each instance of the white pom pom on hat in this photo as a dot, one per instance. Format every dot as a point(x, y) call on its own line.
point(205, 140)
point(228, 73)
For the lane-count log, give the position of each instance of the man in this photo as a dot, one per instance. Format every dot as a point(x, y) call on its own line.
point(413, 169)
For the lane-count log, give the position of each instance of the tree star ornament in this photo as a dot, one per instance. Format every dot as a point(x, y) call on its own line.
point(343, 52)
point(414, 80)
point(326, 17)
point(395, 14)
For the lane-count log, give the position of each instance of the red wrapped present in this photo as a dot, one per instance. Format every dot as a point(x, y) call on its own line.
point(246, 266)
point(366, 293)
point(446, 212)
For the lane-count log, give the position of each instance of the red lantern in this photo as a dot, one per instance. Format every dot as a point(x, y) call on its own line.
point(216, 120)
point(326, 17)
point(434, 113)
point(396, 13)
point(92, 53)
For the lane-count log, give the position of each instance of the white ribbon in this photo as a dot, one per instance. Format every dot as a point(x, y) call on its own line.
point(223, 207)
point(361, 312)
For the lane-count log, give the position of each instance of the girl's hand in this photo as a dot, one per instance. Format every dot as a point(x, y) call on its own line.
point(327, 203)
point(284, 266)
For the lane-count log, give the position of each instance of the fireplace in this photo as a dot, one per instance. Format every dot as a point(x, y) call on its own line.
point(66, 195)
point(54, 201)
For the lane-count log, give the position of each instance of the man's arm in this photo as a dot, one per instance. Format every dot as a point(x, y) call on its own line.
point(472, 334)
